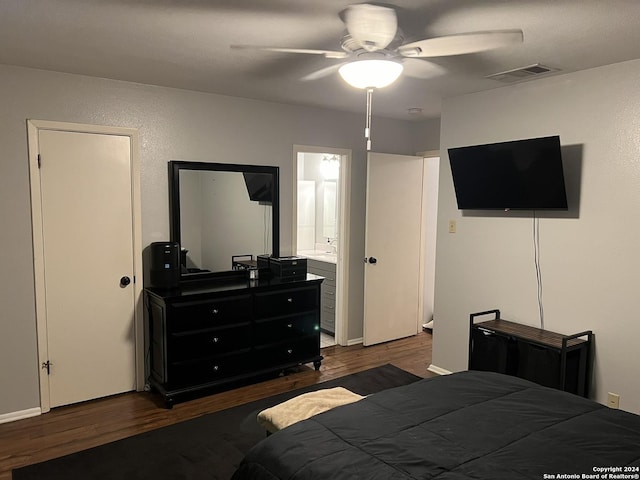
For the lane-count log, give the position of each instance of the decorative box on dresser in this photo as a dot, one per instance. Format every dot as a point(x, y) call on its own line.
point(203, 336)
point(328, 297)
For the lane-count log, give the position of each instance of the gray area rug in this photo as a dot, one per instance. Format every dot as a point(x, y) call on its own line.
point(208, 447)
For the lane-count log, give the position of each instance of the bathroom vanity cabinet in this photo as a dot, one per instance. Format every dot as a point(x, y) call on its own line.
point(328, 293)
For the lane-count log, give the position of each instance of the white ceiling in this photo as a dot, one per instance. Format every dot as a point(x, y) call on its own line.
point(185, 44)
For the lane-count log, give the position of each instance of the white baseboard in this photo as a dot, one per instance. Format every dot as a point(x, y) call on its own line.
point(440, 371)
point(13, 416)
point(355, 341)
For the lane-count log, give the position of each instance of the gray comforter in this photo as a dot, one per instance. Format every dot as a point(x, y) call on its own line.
point(469, 425)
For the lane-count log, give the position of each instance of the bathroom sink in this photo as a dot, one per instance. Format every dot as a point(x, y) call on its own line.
point(326, 248)
point(319, 255)
point(327, 257)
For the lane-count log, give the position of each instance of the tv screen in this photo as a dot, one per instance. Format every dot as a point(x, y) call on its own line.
point(259, 186)
point(516, 175)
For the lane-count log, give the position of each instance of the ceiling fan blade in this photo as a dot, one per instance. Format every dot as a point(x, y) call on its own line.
point(418, 68)
point(461, 43)
point(373, 27)
point(323, 72)
point(326, 53)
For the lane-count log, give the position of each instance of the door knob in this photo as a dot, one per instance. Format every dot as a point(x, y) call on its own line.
point(373, 260)
point(124, 281)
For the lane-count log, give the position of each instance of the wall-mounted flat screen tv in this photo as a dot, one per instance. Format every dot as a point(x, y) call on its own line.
point(259, 186)
point(516, 175)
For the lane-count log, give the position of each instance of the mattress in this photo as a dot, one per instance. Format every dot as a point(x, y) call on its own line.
point(468, 425)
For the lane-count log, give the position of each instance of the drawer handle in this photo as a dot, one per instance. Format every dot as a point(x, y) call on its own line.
point(290, 299)
point(330, 293)
point(216, 368)
point(215, 339)
point(215, 311)
point(289, 351)
point(329, 307)
point(289, 325)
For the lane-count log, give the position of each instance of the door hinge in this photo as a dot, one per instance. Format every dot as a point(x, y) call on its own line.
point(47, 365)
point(39, 161)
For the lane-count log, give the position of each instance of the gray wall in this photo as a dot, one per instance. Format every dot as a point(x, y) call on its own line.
point(426, 135)
point(173, 125)
point(590, 260)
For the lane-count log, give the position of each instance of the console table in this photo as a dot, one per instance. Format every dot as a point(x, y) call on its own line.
point(204, 336)
point(548, 358)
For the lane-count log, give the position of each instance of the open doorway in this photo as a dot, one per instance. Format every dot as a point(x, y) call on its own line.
point(321, 230)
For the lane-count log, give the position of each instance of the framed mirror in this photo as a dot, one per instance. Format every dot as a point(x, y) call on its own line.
point(222, 215)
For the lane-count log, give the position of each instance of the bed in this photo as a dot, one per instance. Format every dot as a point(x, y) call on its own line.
point(468, 425)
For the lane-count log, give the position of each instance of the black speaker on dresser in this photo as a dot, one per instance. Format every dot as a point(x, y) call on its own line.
point(164, 263)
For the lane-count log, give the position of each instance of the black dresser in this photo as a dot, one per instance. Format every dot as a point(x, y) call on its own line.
point(205, 336)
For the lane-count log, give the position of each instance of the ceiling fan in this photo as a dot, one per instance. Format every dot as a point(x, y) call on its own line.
point(375, 53)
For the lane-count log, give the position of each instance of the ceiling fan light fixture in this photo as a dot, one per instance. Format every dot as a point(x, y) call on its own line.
point(374, 73)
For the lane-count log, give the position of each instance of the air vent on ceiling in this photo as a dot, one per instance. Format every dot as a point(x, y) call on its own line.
point(522, 73)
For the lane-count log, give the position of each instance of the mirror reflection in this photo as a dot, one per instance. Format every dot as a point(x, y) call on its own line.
point(226, 215)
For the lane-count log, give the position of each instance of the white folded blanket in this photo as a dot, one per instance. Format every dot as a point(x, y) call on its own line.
point(304, 406)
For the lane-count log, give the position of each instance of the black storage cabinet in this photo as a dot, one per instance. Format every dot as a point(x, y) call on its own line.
point(547, 358)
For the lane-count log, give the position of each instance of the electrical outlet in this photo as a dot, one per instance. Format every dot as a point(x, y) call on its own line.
point(452, 226)
point(613, 400)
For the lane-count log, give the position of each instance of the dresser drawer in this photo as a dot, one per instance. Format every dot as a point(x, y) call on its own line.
point(328, 308)
point(285, 328)
point(287, 302)
point(195, 372)
point(328, 295)
point(198, 315)
point(289, 353)
point(208, 343)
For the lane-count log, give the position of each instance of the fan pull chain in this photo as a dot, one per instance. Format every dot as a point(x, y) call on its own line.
point(367, 127)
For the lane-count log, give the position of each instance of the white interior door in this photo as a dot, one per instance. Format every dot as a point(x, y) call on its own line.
point(87, 232)
point(393, 242)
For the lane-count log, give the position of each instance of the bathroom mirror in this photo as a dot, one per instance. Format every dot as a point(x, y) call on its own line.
point(222, 215)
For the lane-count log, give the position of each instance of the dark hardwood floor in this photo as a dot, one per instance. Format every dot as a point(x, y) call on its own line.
point(72, 428)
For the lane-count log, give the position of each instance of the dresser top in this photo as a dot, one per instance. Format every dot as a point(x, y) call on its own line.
point(233, 285)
